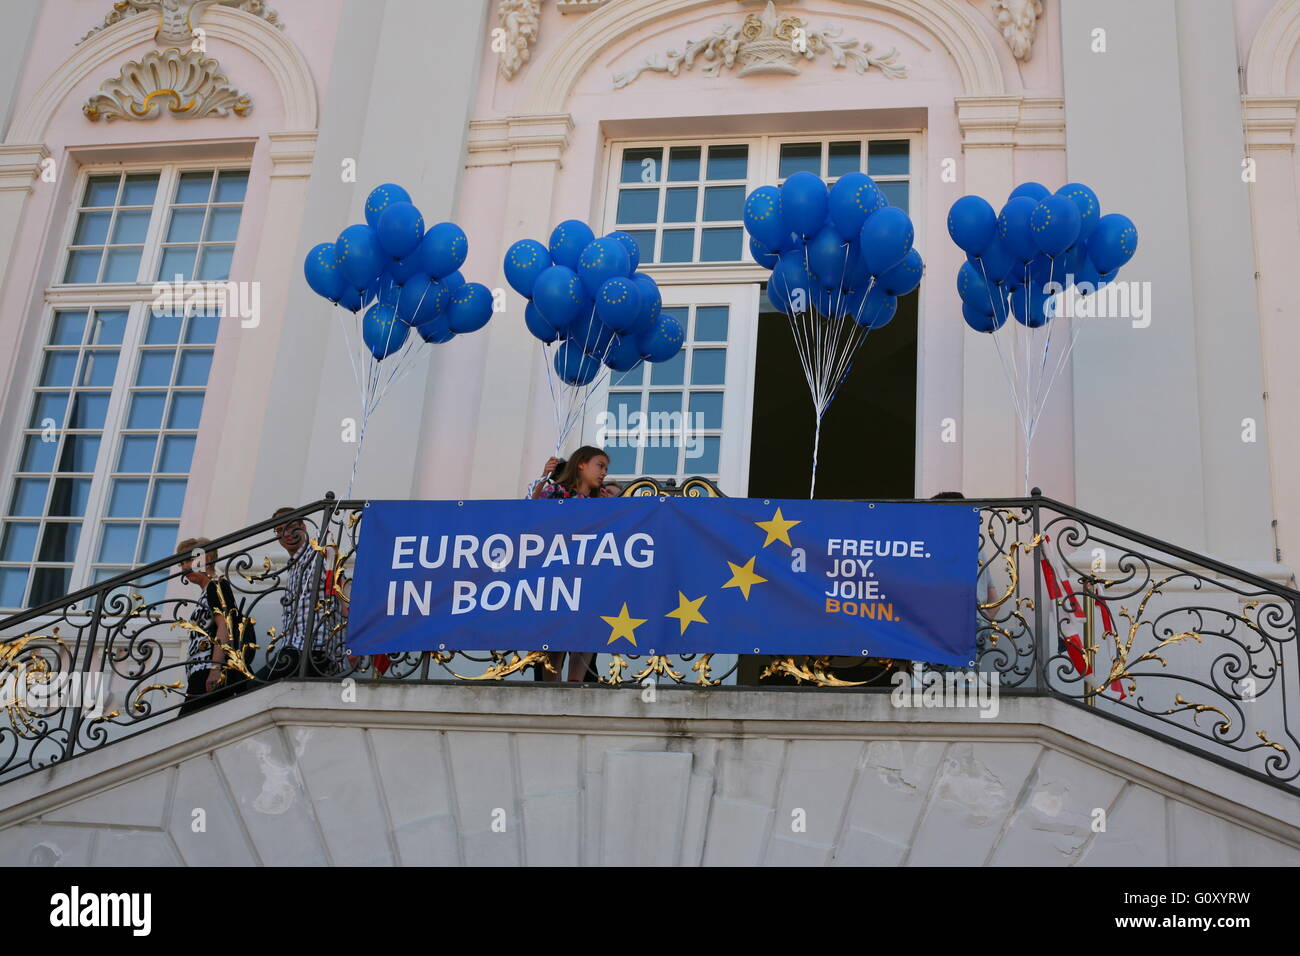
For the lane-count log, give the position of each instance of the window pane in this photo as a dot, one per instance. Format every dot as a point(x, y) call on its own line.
point(194, 187)
point(728, 162)
point(679, 245)
point(49, 584)
point(645, 241)
point(683, 164)
point(99, 368)
point(146, 410)
point(159, 541)
point(60, 367)
point(661, 460)
point(177, 261)
point(186, 409)
point(708, 449)
point(723, 203)
point(137, 454)
point(68, 328)
point(710, 323)
point(634, 377)
point(13, 581)
point(168, 498)
point(638, 205)
point(139, 189)
point(622, 458)
point(844, 158)
point(48, 410)
point(201, 329)
point(79, 453)
point(231, 185)
point(89, 409)
point(887, 157)
point(101, 190)
point(896, 193)
point(662, 403)
point(621, 405)
point(186, 225)
point(177, 452)
point(195, 365)
point(92, 229)
point(29, 497)
point(214, 263)
point(83, 266)
point(708, 366)
point(70, 497)
point(163, 330)
point(37, 455)
point(670, 372)
point(131, 226)
point(721, 245)
point(59, 542)
point(800, 157)
point(223, 225)
point(117, 546)
point(123, 265)
point(108, 327)
point(680, 205)
point(642, 165)
point(155, 368)
point(19, 541)
point(706, 409)
point(127, 498)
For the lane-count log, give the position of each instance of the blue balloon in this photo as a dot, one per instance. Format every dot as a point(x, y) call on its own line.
point(1035, 191)
point(351, 299)
point(1054, 224)
point(422, 300)
point(400, 229)
point(853, 198)
point(1013, 228)
point(1030, 308)
point(436, 331)
point(663, 341)
point(443, 249)
point(763, 218)
point(858, 275)
point(358, 255)
point(323, 274)
point(574, 366)
point(804, 203)
point(623, 354)
point(994, 263)
point(1085, 200)
point(1112, 243)
point(762, 255)
point(590, 334)
point(972, 287)
point(388, 291)
point(828, 257)
point(568, 239)
point(886, 239)
point(470, 308)
point(381, 331)
point(618, 303)
point(1087, 275)
point(403, 270)
point(453, 281)
point(981, 320)
point(602, 260)
point(538, 325)
point(904, 277)
point(973, 224)
point(877, 310)
point(524, 262)
point(380, 198)
point(651, 303)
point(559, 296)
point(630, 246)
point(791, 279)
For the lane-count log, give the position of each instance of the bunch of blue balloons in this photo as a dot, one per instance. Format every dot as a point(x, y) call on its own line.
point(410, 274)
point(842, 252)
point(586, 294)
point(1040, 244)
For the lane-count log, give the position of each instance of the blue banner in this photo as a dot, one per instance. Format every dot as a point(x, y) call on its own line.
point(667, 576)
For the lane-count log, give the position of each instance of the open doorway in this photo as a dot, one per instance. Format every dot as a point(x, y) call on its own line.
point(868, 440)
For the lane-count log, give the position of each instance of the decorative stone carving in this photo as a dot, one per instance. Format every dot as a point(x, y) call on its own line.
point(189, 85)
point(177, 18)
point(579, 6)
point(520, 20)
point(1019, 22)
point(768, 44)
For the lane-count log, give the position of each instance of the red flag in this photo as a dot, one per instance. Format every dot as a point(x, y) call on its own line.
point(1074, 647)
point(1107, 621)
point(1071, 601)
point(1049, 578)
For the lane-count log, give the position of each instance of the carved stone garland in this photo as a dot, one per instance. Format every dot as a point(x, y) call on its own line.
point(1019, 22)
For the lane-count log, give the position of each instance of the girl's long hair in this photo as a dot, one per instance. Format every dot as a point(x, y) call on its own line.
point(568, 476)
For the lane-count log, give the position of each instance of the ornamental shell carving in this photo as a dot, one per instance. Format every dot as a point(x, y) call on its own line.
point(188, 85)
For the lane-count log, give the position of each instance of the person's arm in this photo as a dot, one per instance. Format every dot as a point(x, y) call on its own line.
point(220, 614)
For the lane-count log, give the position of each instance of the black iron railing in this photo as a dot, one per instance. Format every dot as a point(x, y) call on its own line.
point(1137, 630)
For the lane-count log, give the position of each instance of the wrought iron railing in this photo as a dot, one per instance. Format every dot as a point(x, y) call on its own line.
point(1140, 631)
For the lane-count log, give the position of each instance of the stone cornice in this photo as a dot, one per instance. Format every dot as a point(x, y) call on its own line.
point(1002, 122)
point(1270, 121)
point(537, 138)
point(292, 154)
point(20, 165)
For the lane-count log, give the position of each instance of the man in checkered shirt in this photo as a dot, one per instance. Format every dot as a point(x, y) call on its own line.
point(304, 576)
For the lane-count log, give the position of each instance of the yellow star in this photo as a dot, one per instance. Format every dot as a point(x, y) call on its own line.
point(623, 626)
point(778, 529)
point(743, 577)
point(688, 612)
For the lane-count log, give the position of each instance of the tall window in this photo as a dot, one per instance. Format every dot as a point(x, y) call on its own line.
point(98, 479)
